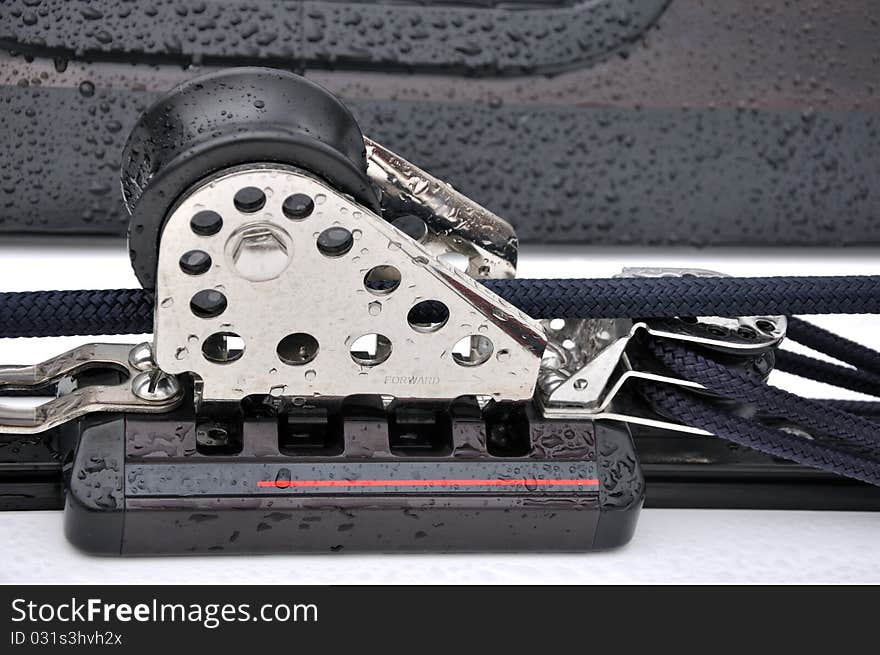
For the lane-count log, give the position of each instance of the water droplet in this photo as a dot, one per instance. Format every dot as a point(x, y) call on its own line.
point(283, 478)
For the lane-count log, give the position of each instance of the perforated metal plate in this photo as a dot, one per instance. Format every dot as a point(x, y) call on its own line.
point(294, 316)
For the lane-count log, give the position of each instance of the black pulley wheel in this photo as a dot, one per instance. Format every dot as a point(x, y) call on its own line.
point(229, 118)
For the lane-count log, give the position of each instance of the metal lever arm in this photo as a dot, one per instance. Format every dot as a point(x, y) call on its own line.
point(140, 388)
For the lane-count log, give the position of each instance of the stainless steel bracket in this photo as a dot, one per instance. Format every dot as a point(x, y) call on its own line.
point(455, 222)
point(142, 387)
point(586, 365)
point(328, 300)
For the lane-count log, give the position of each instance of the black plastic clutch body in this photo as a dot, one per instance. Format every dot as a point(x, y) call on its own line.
point(363, 480)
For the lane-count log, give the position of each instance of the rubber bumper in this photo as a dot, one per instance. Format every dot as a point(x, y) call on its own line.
point(228, 118)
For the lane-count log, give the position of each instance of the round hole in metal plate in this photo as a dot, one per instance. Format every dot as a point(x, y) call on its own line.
point(223, 347)
point(428, 316)
point(206, 223)
point(208, 303)
point(250, 199)
point(297, 349)
point(765, 326)
point(298, 206)
point(370, 349)
point(335, 241)
point(382, 280)
point(195, 262)
point(472, 350)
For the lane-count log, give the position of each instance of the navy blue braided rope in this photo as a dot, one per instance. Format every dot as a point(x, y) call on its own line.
point(821, 340)
point(70, 313)
point(852, 430)
point(129, 311)
point(691, 296)
point(867, 408)
point(695, 412)
point(839, 376)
